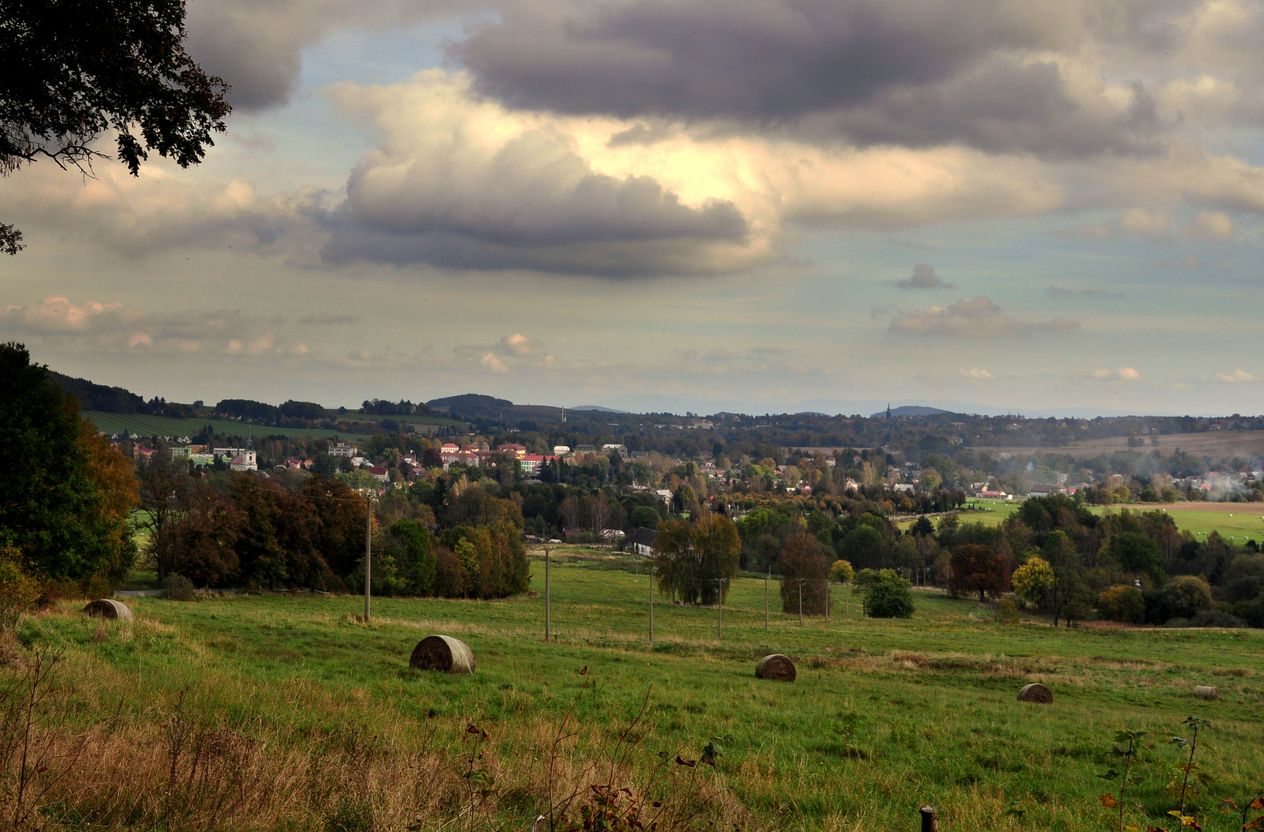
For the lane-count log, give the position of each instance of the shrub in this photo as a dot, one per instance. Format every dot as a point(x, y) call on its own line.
point(18, 591)
point(178, 588)
point(1007, 610)
point(887, 595)
point(1216, 618)
point(1121, 603)
point(1182, 597)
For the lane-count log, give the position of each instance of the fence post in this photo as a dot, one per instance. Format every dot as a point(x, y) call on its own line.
point(930, 820)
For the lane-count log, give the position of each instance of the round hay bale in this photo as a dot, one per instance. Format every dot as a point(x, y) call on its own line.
point(1036, 692)
point(777, 667)
point(443, 653)
point(1206, 692)
point(108, 608)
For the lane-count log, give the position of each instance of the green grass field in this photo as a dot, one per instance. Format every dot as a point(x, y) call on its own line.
point(142, 425)
point(885, 716)
point(1237, 522)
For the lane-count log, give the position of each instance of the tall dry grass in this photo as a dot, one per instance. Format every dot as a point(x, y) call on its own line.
point(181, 764)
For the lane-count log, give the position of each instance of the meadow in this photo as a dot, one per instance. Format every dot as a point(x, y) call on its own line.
point(287, 712)
point(1236, 522)
point(140, 424)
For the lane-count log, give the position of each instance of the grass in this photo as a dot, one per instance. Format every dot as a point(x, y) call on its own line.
point(1236, 522)
point(143, 425)
point(885, 715)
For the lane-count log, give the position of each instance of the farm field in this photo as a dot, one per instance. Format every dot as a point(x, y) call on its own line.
point(1217, 444)
point(143, 425)
point(1237, 522)
point(285, 712)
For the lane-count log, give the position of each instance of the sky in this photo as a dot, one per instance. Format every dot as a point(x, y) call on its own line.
point(771, 206)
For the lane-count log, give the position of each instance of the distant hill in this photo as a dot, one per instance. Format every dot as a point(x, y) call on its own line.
point(598, 408)
point(910, 410)
point(93, 396)
point(470, 404)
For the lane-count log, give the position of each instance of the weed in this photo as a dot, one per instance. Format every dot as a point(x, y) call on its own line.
point(1195, 724)
point(1244, 809)
point(1125, 751)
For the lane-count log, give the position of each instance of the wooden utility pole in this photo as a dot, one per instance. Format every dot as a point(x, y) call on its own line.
point(801, 601)
point(827, 595)
point(719, 607)
point(930, 820)
point(368, 554)
point(547, 600)
point(651, 574)
point(767, 580)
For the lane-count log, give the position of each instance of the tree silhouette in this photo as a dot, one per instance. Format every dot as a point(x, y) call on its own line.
point(71, 70)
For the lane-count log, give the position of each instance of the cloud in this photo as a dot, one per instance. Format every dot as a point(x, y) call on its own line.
point(1091, 291)
point(976, 374)
point(114, 328)
point(57, 314)
point(258, 47)
point(1120, 374)
point(1238, 376)
point(997, 77)
point(329, 320)
point(924, 277)
point(491, 362)
point(462, 183)
point(516, 344)
point(1153, 224)
point(160, 210)
point(973, 318)
point(1212, 225)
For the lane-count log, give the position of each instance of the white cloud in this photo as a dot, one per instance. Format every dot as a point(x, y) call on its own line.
point(114, 327)
point(1147, 223)
point(1212, 225)
point(976, 374)
point(1238, 376)
point(972, 318)
point(516, 344)
point(1119, 374)
point(491, 362)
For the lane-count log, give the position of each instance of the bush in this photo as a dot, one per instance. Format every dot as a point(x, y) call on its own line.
point(1182, 597)
point(1007, 610)
point(1122, 603)
point(887, 595)
point(178, 588)
point(18, 591)
point(1216, 618)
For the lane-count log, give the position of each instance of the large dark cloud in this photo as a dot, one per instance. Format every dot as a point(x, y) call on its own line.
point(257, 45)
point(769, 60)
point(905, 72)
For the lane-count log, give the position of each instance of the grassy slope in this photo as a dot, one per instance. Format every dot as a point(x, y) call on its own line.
point(142, 425)
point(1237, 521)
point(885, 715)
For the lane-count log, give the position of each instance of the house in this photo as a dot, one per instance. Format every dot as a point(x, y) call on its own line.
point(514, 448)
point(641, 542)
point(380, 473)
point(530, 464)
point(343, 449)
point(561, 450)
